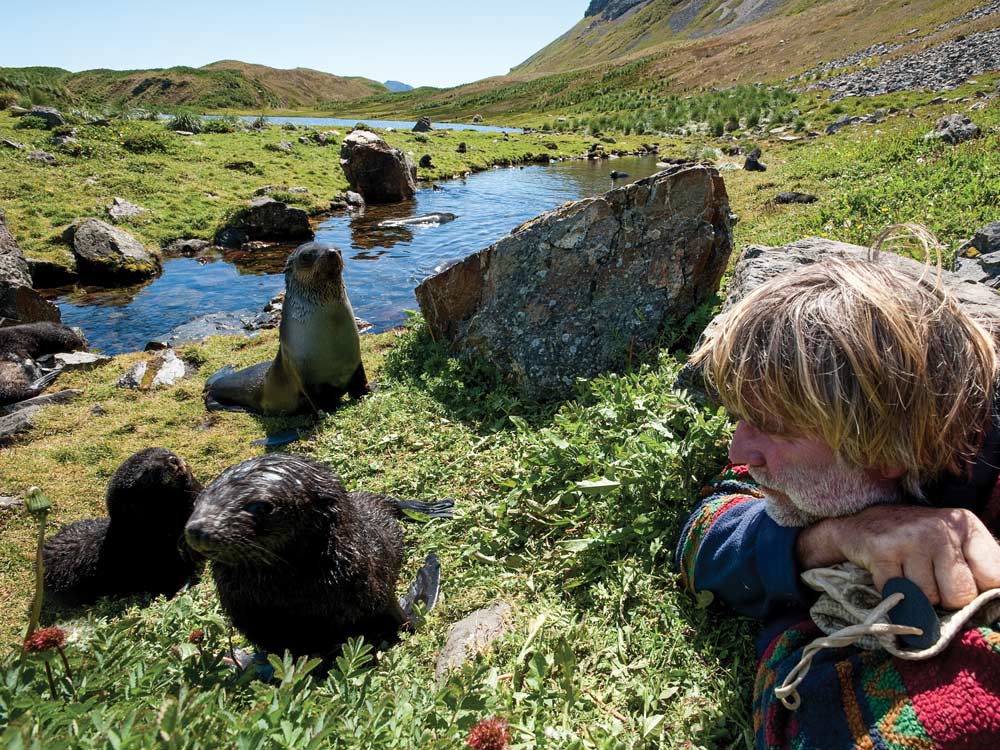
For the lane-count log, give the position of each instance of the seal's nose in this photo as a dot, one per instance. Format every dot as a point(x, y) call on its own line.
point(196, 534)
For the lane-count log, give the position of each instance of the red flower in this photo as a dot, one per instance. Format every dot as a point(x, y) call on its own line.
point(489, 734)
point(197, 636)
point(44, 639)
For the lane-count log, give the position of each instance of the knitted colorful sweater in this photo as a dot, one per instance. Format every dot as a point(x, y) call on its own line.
point(851, 698)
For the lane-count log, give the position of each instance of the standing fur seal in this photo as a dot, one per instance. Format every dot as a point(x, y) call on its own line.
point(20, 346)
point(319, 351)
point(299, 563)
point(140, 548)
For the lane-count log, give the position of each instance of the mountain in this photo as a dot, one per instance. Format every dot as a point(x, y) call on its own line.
point(398, 86)
point(223, 84)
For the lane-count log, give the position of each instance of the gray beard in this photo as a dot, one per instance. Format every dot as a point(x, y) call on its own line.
point(810, 496)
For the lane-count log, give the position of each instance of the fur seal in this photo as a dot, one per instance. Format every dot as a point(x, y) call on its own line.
point(301, 564)
point(20, 346)
point(319, 351)
point(139, 548)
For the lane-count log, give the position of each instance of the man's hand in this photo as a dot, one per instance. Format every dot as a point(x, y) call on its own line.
point(949, 553)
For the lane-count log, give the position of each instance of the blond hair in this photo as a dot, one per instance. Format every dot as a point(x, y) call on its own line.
point(883, 366)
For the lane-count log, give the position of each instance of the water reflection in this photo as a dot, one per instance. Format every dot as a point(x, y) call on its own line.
point(383, 265)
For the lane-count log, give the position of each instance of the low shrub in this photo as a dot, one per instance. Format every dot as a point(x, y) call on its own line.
point(146, 143)
point(187, 122)
point(30, 122)
point(227, 124)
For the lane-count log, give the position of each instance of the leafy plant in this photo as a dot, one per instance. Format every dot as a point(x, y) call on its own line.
point(31, 122)
point(187, 122)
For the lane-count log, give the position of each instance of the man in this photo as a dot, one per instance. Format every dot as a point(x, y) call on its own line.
point(867, 433)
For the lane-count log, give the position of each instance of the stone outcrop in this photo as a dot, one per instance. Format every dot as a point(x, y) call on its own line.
point(377, 171)
point(110, 255)
point(585, 288)
point(954, 129)
point(979, 259)
point(19, 303)
point(266, 219)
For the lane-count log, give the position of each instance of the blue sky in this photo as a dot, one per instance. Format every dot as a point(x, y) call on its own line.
point(433, 42)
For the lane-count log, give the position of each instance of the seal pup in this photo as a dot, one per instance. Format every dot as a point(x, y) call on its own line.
point(139, 548)
point(301, 564)
point(319, 350)
point(20, 346)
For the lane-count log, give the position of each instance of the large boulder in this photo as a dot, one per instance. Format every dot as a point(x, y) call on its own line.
point(108, 255)
point(19, 303)
point(423, 125)
point(583, 289)
point(381, 174)
point(266, 219)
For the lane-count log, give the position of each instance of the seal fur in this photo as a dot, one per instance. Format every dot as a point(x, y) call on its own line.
point(139, 548)
point(319, 350)
point(20, 346)
point(299, 563)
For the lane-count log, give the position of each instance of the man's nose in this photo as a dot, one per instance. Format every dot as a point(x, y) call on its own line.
point(746, 447)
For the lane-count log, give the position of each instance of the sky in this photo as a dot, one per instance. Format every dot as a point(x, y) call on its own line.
point(433, 42)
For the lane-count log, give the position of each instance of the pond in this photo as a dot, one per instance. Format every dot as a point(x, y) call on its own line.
point(382, 266)
point(350, 122)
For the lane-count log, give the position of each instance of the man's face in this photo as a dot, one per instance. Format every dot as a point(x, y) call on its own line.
point(802, 479)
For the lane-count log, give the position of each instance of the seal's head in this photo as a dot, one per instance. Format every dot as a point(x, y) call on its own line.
point(267, 510)
point(152, 485)
point(315, 270)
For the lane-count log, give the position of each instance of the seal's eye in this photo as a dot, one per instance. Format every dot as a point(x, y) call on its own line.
point(308, 258)
point(258, 508)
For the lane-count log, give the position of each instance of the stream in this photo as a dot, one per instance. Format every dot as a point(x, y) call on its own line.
point(381, 266)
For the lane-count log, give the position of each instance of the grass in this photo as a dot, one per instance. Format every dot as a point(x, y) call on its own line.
point(566, 511)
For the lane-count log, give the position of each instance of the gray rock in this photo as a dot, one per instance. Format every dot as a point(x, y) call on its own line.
point(188, 247)
point(381, 174)
point(472, 636)
point(12, 425)
point(11, 502)
point(162, 369)
point(583, 289)
point(19, 303)
point(242, 323)
point(53, 118)
point(46, 399)
point(987, 239)
point(123, 209)
point(423, 125)
point(83, 361)
point(42, 156)
point(11, 144)
point(954, 129)
point(266, 219)
point(110, 255)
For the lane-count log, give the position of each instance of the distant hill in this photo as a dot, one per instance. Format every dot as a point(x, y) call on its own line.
point(223, 84)
point(398, 86)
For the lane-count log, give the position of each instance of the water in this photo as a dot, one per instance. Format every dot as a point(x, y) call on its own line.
point(381, 266)
point(342, 122)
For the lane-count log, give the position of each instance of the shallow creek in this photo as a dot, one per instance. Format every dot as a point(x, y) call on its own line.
point(382, 266)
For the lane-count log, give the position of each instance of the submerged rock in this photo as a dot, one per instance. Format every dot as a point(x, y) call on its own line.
point(266, 219)
point(585, 288)
point(380, 173)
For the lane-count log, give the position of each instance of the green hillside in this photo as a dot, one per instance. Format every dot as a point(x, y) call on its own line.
point(224, 84)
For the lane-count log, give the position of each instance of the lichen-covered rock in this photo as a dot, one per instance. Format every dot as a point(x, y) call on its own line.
point(110, 255)
point(19, 303)
point(162, 369)
point(380, 173)
point(954, 129)
point(124, 209)
point(583, 289)
point(266, 219)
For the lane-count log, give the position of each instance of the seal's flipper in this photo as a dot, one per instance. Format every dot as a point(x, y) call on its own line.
point(44, 382)
point(425, 589)
point(229, 389)
point(414, 510)
point(358, 385)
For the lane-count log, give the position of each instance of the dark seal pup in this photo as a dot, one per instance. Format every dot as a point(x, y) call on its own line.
point(140, 548)
point(299, 563)
point(319, 353)
point(20, 346)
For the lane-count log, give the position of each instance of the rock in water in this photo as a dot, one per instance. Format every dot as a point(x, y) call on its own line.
point(266, 219)
point(583, 289)
point(377, 171)
point(19, 303)
point(111, 255)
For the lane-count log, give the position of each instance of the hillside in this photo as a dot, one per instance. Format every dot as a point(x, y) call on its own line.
point(227, 83)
